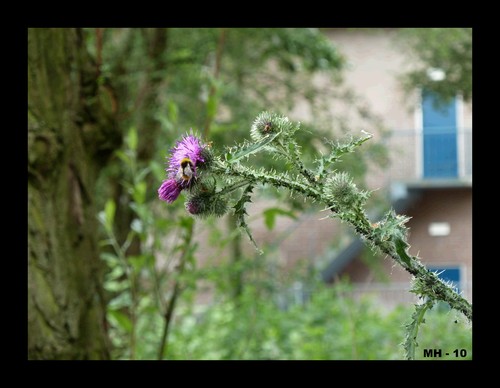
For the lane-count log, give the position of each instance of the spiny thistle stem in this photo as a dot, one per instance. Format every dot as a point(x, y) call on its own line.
point(236, 186)
point(263, 178)
point(428, 283)
point(295, 160)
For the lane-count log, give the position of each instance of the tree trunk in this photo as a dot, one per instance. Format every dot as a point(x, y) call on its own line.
point(70, 137)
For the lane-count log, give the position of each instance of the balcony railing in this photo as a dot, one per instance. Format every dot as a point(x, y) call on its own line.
point(443, 154)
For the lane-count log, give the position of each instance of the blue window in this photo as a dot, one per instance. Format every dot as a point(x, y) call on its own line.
point(440, 136)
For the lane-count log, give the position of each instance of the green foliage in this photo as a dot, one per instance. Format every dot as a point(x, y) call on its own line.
point(132, 139)
point(445, 49)
point(446, 330)
point(271, 213)
point(108, 215)
point(299, 49)
point(329, 325)
point(136, 287)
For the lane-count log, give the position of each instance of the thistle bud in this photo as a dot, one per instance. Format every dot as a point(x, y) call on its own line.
point(219, 206)
point(197, 204)
point(206, 203)
point(341, 189)
point(268, 123)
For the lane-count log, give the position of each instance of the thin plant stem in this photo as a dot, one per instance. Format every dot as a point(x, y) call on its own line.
point(168, 315)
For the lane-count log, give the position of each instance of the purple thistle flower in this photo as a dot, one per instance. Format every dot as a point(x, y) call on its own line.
point(189, 147)
point(169, 190)
point(188, 154)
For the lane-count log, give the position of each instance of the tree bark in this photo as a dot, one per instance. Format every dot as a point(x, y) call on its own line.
point(70, 137)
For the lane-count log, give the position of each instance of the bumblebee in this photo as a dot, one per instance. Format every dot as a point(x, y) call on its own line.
point(185, 170)
point(268, 127)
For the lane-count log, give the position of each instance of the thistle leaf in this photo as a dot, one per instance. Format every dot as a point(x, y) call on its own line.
point(271, 213)
point(339, 149)
point(240, 212)
point(401, 250)
point(253, 148)
point(417, 318)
